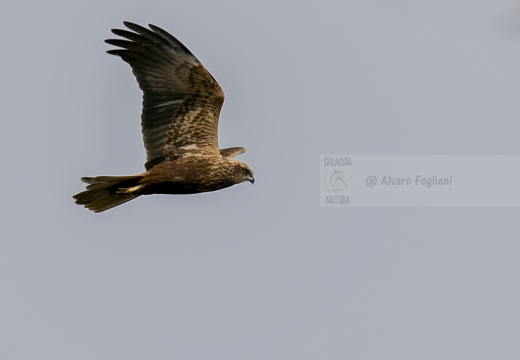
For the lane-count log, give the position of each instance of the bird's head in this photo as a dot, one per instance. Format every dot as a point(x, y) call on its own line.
point(242, 172)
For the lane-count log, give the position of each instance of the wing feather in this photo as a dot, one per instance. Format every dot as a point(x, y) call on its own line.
point(232, 152)
point(181, 100)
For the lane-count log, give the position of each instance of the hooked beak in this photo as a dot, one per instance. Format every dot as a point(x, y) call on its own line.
point(251, 179)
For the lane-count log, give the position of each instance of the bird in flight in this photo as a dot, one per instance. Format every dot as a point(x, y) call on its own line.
point(179, 119)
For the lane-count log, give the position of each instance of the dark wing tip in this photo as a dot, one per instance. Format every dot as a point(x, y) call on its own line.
point(232, 152)
point(154, 34)
point(134, 26)
point(115, 52)
point(169, 37)
point(128, 24)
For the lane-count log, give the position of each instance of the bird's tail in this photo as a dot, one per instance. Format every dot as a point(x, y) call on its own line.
point(106, 192)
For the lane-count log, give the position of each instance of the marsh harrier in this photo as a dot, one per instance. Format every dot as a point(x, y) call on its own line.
point(181, 106)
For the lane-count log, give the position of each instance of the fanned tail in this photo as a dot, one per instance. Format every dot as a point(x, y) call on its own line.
point(106, 192)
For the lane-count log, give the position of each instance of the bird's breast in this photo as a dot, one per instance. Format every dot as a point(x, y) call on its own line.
point(189, 175)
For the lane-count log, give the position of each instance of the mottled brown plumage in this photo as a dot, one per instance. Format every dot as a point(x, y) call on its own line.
point(181, 107)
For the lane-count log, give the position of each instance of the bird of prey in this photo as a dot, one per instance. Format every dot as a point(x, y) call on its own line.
point(181, 106)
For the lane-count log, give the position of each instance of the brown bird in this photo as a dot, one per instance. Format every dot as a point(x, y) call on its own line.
point(181, 106)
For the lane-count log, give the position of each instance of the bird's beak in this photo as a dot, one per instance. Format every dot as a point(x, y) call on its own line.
point(251, 180)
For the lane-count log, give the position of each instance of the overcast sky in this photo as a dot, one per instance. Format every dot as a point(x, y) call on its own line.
point(262, 271)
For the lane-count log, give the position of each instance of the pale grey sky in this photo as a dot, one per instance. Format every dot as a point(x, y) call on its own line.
point(262, 271)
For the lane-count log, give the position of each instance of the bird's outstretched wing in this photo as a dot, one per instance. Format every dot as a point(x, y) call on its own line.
point(232, 152)
point(181, 100)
